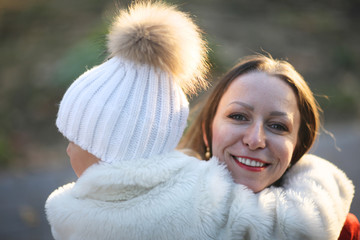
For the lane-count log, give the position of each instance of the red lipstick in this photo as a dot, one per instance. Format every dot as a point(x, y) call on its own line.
point(250, 164)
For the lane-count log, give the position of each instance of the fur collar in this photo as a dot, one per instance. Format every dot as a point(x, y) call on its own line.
point(128, 179)
point(312, 204)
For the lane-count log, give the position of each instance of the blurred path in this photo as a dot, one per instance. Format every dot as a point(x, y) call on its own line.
point(23, 194)
point(22, 201)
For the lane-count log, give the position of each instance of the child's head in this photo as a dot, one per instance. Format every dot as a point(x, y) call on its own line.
point(133, 105)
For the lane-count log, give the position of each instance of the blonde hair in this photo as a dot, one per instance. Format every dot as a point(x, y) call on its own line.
point(307, 104)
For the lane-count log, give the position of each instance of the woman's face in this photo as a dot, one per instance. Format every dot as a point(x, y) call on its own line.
point(80, 159)
point(255, 129)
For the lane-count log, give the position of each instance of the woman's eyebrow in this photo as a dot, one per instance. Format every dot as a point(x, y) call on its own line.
point(287, 115)
point(278, 113)
point(251, 108)
point(245, 105)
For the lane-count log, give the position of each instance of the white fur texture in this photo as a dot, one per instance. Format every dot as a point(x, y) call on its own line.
point(179, 197)
point(319, 195)
point(157, 34)
point(312, 204)
point(172, 196)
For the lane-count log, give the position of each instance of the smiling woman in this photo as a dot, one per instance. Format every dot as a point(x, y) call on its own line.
point(260, 120)
point(265, 98)
point(255, 129)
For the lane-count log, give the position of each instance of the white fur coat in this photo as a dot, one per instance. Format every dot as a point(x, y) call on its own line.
point(312, 204)
point(172, 196)
point(179, 197)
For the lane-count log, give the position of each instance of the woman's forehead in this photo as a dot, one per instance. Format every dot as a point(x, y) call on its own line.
point(260, 88)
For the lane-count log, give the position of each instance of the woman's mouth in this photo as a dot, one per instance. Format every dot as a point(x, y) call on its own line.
point(251, 164)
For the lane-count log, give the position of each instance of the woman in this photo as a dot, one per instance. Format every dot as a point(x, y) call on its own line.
point(260, 120)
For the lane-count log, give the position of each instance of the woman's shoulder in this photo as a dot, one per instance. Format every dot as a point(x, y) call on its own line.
point(321, 190)
point(351, 229)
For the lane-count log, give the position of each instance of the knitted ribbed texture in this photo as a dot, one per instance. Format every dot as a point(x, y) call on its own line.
point(133, 105)
point(121, 110)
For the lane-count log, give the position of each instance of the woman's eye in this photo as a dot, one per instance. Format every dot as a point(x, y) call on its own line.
point(238, 116)
point(279, 127)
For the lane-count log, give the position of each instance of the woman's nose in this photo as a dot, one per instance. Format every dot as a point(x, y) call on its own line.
point(255, 137)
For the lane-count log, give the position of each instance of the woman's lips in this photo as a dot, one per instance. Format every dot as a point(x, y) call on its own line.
point(251, 164)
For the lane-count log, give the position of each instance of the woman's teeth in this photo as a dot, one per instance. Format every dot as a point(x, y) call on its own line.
point(249, 162)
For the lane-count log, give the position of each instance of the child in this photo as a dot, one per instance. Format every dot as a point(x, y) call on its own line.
point(123, 120)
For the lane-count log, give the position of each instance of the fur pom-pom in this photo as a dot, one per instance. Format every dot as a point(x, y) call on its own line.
point(157, 34)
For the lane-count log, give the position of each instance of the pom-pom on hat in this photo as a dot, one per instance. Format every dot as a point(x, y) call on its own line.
point(133, 105)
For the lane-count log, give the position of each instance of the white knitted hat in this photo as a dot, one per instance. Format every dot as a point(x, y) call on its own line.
point(133, 105)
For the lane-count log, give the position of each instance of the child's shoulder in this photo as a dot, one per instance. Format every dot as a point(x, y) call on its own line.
point(61, 191)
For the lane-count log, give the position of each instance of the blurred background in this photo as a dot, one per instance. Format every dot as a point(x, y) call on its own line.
point(46, 44)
